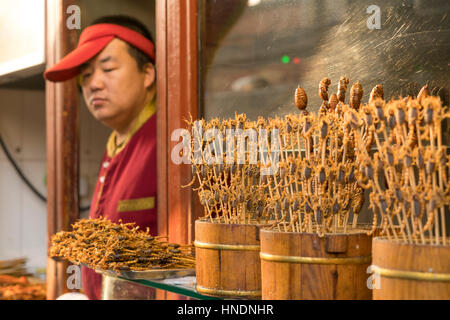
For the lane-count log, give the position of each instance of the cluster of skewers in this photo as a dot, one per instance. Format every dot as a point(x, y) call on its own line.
point(229, 185)
point(20, 288)
point(408, 174)
point(102, 244)
point(320, 192)
point(314, 186)
point(324, 162)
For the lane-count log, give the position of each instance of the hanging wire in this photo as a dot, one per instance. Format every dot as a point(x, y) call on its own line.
point(24, 178)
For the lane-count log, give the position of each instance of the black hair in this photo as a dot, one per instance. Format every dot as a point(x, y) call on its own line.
point(131, 23)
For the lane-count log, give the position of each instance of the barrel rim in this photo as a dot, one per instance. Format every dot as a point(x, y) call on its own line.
point(400, 242)
point(224, 246)
point(208, 221)
point(315, 260)
point(410, 275)
point(231, 293)
point(362, 232)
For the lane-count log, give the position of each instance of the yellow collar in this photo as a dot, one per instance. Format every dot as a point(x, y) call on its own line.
point(111, 148)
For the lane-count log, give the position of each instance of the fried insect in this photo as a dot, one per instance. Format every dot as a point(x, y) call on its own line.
point(300, 98)
point(342, 88)
point(102, 244)
point(21, 288)
point(356, 93)
point(323, 88)
point(332, 103)
point(376, 93)
point(321, 189)
point(413, 163)
point(324, 161)
point(413, 115)
point(423, 93)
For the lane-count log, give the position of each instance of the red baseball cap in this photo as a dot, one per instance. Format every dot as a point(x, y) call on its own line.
point(94, 39)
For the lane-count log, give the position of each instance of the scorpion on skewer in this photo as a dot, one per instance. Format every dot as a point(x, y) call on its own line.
point(414, 163)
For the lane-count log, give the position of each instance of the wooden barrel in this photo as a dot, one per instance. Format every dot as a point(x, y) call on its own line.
point(227, 259)
point(304, 266)
point(410, 271)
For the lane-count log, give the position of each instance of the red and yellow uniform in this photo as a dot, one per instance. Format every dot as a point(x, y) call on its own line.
point(126, 186)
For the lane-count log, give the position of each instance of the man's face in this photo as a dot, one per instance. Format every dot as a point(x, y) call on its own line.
point(113, 87)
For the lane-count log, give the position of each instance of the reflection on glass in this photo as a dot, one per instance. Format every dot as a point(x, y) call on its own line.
point(255, 53)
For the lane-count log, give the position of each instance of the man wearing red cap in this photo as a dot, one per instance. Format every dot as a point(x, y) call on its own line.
point(114, 61)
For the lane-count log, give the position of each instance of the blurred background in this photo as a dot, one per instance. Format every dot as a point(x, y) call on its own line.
point(252, 56)
point(23, 213)
point(255, 53)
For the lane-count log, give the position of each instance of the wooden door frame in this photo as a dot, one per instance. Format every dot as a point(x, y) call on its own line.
point(177, 92)
point(62, 135)
point(177, 96)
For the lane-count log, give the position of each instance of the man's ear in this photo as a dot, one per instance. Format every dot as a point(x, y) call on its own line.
point(150, 75)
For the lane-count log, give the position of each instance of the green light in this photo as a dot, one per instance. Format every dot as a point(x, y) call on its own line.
point(285, 59)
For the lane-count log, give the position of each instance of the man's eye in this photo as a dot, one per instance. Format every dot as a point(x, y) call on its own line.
point(85, 75)
point(108, 70)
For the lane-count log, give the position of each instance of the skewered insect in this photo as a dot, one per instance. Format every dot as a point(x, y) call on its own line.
point(102, 244)
point(324, 161)
point(423, 93)
point(301, 99)
point(412, 160)
point(323, 88)
point(342, 88)
point(356, 93)
point(332, 103)
point(376, 93)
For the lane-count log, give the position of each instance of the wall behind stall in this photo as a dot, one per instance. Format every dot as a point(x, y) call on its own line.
point(143, 10)
point(23, 216)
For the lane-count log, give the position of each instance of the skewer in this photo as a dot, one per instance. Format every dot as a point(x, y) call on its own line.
point(441, 181)
point(285, 194)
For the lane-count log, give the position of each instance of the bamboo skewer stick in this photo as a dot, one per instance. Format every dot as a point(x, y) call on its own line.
point(309, 163)
point(441, 182)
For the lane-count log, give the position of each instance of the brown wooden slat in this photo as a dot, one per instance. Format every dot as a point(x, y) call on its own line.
point(177, 90)
point(176, 86)
point(161, 91)
point(177, 98)
point(193, 98)
point(182, 100)
point(50, 96)
point(62, 121)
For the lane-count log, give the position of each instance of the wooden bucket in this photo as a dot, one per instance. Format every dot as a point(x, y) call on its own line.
point(227, 259)
point(303, 266)
point(410, 271)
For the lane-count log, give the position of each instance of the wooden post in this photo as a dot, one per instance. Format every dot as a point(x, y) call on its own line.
point(62, 122)
point(177, 92)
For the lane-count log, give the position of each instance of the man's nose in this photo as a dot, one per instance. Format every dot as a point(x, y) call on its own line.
point(96, 82)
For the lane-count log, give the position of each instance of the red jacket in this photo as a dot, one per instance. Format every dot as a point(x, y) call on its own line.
point(126, 187)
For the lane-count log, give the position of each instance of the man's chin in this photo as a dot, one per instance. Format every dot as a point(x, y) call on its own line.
point(106, 119)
